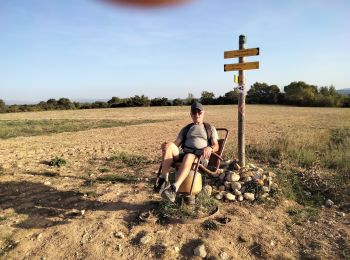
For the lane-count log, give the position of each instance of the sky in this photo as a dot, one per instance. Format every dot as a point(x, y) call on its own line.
point(87, 49)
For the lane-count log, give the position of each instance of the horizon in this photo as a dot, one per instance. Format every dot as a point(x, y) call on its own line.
point(92, 50)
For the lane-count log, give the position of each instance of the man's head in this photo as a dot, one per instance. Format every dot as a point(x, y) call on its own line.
point(197, 112)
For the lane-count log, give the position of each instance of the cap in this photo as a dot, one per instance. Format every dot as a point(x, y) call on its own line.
point(196, 105)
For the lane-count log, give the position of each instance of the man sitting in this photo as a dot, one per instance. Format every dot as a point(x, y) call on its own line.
point(195, 139)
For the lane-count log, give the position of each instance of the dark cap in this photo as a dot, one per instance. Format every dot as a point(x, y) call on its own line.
point(196, 105)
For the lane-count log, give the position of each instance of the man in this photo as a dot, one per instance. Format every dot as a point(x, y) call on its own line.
point(195, 142)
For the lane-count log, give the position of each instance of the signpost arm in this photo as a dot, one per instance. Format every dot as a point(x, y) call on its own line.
point(241, 107)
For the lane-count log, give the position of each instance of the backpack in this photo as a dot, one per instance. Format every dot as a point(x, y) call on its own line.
point(207, 127)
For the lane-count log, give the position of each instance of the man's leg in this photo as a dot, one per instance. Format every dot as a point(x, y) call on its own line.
point(170, 155)
point(184, 169)
point(170, 191)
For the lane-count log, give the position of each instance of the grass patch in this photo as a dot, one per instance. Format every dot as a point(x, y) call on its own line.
point(130, 160)
point(114, 178)
point(302, 215)
point(15, 128)
point(7, 246)
point(293, 188)
point(328, 151)
point(57, 162)
point(103, 170)
point(2, 218)
point(205, 205)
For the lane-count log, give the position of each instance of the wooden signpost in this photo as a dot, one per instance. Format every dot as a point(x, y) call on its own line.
point(241, 66)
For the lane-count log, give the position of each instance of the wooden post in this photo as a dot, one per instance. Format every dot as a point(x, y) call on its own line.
point(241, 107)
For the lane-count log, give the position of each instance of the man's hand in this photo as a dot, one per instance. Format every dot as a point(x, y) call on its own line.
point(165, 146)
point(207, 152)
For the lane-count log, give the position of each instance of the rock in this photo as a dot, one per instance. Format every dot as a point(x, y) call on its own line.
point(271, 174)
point(233, 177)
point(223, 255)
point(329, 203)
point(227, 184)
point(119, 234)
point(249, 196)
point(218, 196)
point(240, 198)
point(39, 236)
point(252, 166)
point(200, 251)
point(237, 192)
point(47, 183)
point(145, 239)
point(236, 166)
point(229, 196)
point(260, 182)
point(177, 249)
point(340, 214)
point(260, 170)
point(264, 177)
point(265, 189)
point(244, 238)
point(246, 174)
point(222, 176)
point(247, 179)
point(208, 190)
point(222, 188)
point(219, 171)
point(82, 211)
point(119, 247)
point(236, 186)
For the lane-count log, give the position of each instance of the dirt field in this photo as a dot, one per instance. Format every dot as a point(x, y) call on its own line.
point(52, 213)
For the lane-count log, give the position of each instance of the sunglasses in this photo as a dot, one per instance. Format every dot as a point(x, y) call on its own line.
point(196, 112)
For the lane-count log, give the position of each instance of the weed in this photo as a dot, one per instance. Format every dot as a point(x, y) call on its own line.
point(58, 162)
point(210, 225)
point(103, 170)
point(7, 246)
point(302, 215)
point(2, 218)
point(131, 160)
point(114, 178)
point(205, 205)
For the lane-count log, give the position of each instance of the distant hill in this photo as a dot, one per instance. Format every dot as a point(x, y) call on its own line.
point(344, 91)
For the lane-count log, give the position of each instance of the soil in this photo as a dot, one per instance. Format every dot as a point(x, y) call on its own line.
point(59, 213)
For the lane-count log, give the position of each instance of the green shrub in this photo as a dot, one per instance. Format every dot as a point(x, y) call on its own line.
point(58, 162)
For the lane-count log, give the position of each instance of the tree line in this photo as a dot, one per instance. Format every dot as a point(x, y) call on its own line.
point(296, 93)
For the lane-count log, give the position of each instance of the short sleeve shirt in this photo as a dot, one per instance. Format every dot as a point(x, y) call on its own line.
point(196, 137)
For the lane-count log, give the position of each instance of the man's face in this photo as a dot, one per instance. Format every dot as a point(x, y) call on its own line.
point(197, 116)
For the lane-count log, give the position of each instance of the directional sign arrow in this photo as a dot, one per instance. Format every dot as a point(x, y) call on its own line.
point(241, 53)
point(242, 66)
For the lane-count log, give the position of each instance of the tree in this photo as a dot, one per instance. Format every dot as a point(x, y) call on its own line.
point(138, 101)
point(261, 93)
point(301, 94)
point(65, 103)
point(178, 102)
point(230, 97)
point(2, 106)
point(115, 100)
point(159, 101)
point(190, 99)
point(51, 104)
point(207, 98)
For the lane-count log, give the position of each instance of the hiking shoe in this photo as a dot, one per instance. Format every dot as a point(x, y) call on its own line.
point(169, 193)
point(160, 184)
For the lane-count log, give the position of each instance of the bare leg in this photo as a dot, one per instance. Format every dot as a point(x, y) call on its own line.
point(184, 169)
point(170, 155)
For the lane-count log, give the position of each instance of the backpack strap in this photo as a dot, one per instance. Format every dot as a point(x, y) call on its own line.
point(184, 134)
point(207, 127)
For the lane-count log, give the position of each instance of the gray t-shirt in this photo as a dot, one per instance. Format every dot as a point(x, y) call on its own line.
point(196, 137)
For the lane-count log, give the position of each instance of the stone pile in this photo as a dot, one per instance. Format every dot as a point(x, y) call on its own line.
point(246, 183)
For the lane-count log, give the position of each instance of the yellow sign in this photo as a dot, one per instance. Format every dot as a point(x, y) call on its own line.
point(241, 53)
point(242, 66)
point(235, 79)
